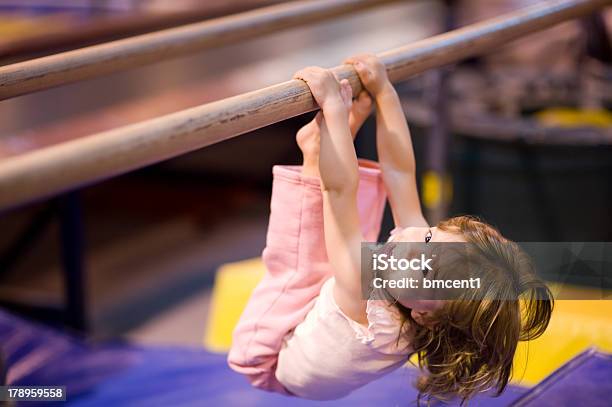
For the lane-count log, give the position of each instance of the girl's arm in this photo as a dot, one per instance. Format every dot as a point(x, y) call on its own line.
point(339, 181)
point(393, 142)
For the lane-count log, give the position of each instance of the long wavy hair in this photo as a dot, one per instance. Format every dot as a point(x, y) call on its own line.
point(468, 345)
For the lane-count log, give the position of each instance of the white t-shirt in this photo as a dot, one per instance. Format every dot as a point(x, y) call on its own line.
point(329, 355)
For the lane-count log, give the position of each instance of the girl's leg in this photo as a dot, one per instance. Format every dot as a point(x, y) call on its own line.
point(296, 260)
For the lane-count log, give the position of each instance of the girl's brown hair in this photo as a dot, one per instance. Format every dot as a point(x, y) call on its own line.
point(470, 343)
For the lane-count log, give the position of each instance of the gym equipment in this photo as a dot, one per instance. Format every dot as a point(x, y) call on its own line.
point(79, 162)
point(68, 67)
point(116, 373)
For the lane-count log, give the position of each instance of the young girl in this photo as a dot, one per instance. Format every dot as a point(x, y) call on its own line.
point(308, 332)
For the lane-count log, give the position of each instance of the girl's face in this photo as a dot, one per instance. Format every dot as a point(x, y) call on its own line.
point(422, 308)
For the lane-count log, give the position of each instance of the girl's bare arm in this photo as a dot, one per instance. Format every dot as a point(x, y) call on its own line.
point(393, 141)
point(339, 181)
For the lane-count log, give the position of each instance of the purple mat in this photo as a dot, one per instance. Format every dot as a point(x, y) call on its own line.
point(586, 380)
point(119, 374)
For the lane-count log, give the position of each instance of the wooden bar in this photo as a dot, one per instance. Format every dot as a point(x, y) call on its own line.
point(80, 162)
point(98, 60)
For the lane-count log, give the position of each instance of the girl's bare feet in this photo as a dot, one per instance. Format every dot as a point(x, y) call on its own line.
point(308, 136)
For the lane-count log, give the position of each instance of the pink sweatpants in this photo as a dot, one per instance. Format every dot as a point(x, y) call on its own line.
point(297, 266)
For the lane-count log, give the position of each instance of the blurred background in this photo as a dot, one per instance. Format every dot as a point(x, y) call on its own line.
point(520, 137)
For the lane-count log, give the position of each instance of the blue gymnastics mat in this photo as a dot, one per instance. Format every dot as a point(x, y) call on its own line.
point(121, 374)
point(586, 380)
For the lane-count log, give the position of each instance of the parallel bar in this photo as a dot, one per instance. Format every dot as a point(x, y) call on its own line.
point(90, 62)
point(72, 164)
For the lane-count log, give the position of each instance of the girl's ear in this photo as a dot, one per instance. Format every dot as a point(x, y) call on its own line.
point(422, 318)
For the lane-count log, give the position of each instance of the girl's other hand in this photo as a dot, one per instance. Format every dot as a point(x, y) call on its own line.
point(371, 71)
point(308, 137)
point(325, 88)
